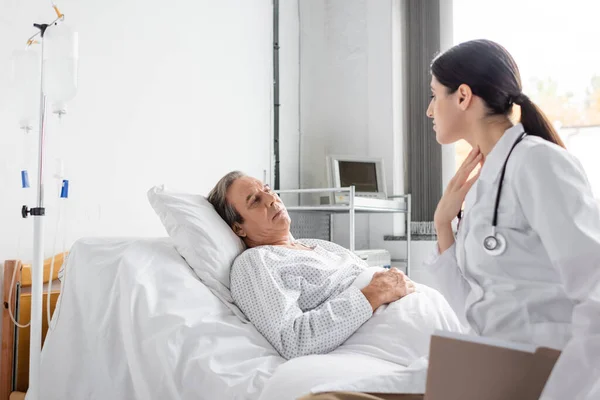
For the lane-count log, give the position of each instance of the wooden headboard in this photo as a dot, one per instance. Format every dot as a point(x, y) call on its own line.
point(14, 362)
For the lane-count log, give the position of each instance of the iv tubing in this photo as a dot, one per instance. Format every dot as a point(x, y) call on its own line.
point(12, 284)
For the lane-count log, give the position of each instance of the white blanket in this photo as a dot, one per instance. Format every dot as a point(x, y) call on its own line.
point(388, 354)
point(400, 332)
point(133, 322)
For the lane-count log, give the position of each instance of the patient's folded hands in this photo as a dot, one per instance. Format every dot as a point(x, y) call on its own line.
point(386, 287)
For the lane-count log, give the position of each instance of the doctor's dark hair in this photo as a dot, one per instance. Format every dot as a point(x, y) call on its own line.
point(218, 198)
point(492, 74)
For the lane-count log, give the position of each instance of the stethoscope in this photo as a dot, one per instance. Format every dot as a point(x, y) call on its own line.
point(495, 244)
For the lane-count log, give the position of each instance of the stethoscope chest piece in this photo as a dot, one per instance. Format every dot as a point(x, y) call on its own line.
point(495, 244)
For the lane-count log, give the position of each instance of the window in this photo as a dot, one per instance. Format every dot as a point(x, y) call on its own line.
point(554, 44)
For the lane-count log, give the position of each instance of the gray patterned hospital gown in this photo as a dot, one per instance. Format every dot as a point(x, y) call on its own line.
point(301, 301)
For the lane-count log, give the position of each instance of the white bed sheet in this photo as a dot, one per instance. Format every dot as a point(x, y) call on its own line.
point(344, 372)
point(134, 322)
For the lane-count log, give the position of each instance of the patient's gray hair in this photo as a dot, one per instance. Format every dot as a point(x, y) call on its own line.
point(218, 198)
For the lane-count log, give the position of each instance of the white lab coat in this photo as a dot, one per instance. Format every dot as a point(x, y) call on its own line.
point(545, 288)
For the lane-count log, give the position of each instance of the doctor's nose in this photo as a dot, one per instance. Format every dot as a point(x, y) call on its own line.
point(429, 111)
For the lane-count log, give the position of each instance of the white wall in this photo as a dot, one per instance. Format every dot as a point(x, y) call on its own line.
point(351, 98)
point(175, 92)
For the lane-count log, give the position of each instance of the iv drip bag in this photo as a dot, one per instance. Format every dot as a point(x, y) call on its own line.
point(5, 77)
point(26, 86)
point(61, 56)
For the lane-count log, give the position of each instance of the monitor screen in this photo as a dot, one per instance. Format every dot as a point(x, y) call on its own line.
point(363, 175)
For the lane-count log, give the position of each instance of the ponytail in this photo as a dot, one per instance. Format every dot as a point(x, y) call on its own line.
point(535, 121)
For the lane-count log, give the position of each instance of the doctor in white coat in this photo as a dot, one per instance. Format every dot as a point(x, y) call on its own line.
point(525, 262)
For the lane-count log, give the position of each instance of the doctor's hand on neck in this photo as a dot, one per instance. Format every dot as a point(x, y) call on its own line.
point(451, 202)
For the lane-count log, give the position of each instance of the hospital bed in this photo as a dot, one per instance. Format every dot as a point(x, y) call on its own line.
point(133, 321)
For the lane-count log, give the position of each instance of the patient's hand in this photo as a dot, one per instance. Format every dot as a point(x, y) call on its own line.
point(387, 287)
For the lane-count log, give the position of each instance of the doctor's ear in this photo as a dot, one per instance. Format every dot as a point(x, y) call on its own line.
point(238, 230)
point(465, 96)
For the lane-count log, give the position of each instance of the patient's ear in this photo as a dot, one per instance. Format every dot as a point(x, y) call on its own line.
point(238, 230)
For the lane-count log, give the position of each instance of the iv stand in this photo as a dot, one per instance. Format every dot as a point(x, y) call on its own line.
point(38, 213)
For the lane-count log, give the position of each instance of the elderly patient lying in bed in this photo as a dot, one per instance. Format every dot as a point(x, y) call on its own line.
point(310, 296)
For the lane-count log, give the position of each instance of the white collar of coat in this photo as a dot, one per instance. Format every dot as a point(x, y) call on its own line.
point(495, 160)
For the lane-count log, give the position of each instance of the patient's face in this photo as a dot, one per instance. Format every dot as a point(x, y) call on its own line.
point(266, 220)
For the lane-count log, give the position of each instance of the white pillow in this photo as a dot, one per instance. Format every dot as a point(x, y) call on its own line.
point(201, 236)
